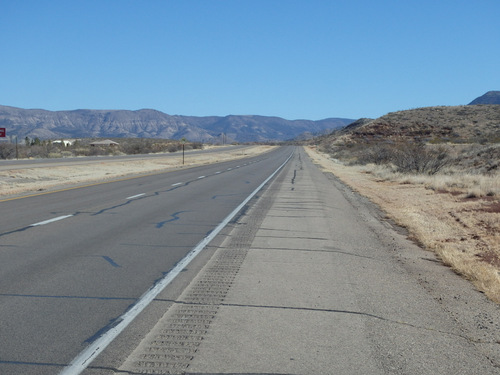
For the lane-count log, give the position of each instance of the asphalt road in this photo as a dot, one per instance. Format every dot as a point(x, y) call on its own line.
point(73, 261)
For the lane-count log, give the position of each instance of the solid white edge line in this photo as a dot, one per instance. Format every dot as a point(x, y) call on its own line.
point(50, 220)
point(84, 359)
point(136, 196)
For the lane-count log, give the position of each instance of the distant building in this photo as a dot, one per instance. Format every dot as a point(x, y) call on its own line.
point(106, 142)
point(65, 142)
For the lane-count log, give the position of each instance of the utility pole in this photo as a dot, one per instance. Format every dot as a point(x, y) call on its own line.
point(183, 141)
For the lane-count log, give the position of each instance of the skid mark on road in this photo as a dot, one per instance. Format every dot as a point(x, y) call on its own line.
point(225, 195)
point(110, 261)
point(116, 206)
point(175, 216)
point(39, 224)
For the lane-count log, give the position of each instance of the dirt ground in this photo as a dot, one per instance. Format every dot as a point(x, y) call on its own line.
point(463, 232)
point(42, 177)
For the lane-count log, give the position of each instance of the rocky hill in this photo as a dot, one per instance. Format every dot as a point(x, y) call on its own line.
point(491, 97)
point(462, 139)
point(149, 123)
point(470, 123)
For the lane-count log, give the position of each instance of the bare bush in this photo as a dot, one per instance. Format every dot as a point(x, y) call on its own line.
point(379, 154)
point(37, 151)
point(7, 151)
point(348, 153)
point(98, 151)
point(136, 146)
point(196, 145)
point(406, 157)
point(417, 158)
point(173, 147)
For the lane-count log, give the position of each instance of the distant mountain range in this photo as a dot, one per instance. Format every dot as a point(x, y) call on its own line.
point(491, 97)
point(149, 123)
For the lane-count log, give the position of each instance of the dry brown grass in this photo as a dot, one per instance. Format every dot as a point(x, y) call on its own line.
point(454, 216)
point(466, 184)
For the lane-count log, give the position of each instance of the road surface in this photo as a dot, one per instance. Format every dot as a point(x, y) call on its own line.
point(73, 261)
point(308, 278)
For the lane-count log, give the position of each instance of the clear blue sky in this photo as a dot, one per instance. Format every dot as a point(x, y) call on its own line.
point(307, 59)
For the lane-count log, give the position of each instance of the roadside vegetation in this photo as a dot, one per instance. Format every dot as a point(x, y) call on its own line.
point(36, 148)
point(440, 181)
point(472, 170)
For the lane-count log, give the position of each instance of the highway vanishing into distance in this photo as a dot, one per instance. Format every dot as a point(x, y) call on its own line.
point(72, 262)
point(253, 266)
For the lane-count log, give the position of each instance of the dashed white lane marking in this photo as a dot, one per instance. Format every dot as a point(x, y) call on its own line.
point(218, 172)
point(136, 196)
point(50, 220)
point(83, 360)
point(201, 177)
point(177, 184)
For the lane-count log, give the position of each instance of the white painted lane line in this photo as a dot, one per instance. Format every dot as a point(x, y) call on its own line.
point(177, 184)
point(84, 359)
point(201, 177)
point(136, 196)
point(50, 220)
point(229, 169)
point(218, 172)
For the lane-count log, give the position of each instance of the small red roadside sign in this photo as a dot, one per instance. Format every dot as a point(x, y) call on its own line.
point(2, 132)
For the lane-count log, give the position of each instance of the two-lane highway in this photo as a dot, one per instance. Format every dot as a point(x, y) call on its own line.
point(72, 262)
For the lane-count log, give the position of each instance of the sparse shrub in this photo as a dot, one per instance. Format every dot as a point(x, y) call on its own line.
point(97, 151)
point(7, 151)
point(378, 154)
point(173, 147)
point(406, 157)
point(37, 151)
point(137, 146)
point(196, 145)
point(417, 158)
